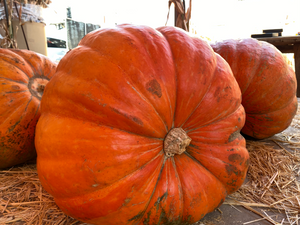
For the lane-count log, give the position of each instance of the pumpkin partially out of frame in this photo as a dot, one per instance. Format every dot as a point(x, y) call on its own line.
point(268, 85)
point(23, 76)
point(141, 126)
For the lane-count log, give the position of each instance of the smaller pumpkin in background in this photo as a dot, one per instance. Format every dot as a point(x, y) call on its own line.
point(23, 77)
point(267, 82)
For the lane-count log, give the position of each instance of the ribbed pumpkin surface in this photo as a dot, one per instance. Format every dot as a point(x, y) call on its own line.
point(267, 82)
point(105, 117)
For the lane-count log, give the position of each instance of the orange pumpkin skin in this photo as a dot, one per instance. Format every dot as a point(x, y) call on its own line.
point(106, 113)
point(23, 75)
point(268, 85)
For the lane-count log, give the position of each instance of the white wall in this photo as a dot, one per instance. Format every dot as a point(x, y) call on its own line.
point(109, 12)
point(222, 19)
point(216, 19)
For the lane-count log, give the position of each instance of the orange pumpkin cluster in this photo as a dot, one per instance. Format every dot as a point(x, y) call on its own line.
point(141, 125)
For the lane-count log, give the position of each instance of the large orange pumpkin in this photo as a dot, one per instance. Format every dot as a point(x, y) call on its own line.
point(141, 126)
point(23, 76)
point(268, 84)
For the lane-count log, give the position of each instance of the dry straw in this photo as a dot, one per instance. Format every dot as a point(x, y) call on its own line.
point(24, 201)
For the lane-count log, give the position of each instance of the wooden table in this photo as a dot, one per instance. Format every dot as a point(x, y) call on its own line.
point(288, 44)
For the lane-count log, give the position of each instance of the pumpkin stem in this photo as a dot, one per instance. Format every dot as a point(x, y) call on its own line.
point(176, 141)
point(41, 88)
point(36, 86)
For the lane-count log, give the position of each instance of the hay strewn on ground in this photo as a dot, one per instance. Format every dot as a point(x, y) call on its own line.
point(274, 175)
point(24, 201)
point(273, 183)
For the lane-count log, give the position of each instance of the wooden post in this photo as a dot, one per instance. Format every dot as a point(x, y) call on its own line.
point(6, 15)
point(10, 34)
point(19, 16)
point(297, 66)
point(176, 14)
point(181, 17)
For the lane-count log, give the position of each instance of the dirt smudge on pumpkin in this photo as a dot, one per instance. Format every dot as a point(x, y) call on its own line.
point(15, 87)
point(126, 201)
point(230, 169)
point(267, 118)
point(194, 146)
point(137, 217)
point(235, 158)
point(163, 218)
point(154, 87)
point(234, 136)
point(16, 146)
point(232, 183)
point(160, 199)
point(16, 60)
point(158, 213)
point(157, 205)
point(133, 118)
point(217, 94)
point(137, 120)
point(11, 128)
point(247, 163)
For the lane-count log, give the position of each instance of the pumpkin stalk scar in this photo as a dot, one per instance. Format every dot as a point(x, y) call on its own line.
point(40, 88)
point(36, 86)
point(176, 142)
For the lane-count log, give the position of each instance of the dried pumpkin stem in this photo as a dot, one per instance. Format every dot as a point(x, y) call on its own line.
point(37, 86)
point(176, 142)
point(41, 88)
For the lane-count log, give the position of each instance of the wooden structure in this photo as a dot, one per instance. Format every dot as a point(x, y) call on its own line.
point(288, 44)
point(182, 16)
point(43, 3)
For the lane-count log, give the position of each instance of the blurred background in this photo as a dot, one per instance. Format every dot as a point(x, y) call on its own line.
point(64, 23)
